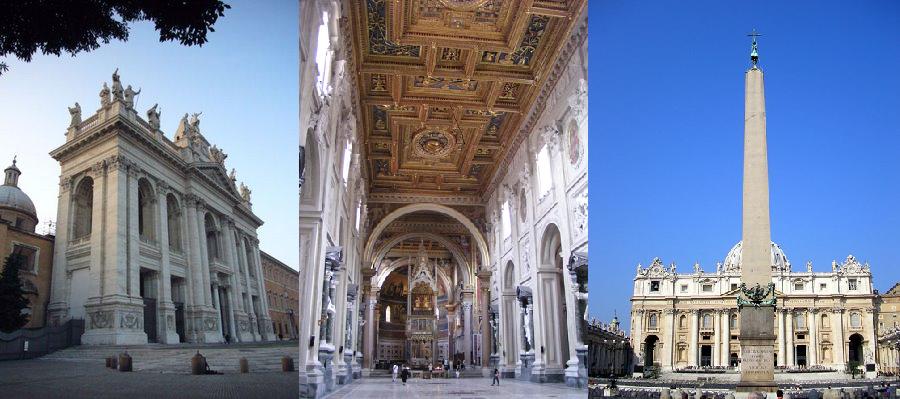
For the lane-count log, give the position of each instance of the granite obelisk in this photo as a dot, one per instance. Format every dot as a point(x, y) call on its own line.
point(757, 335)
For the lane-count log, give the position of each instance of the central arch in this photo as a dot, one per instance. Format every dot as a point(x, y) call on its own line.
point(412, 208)
point(458, 256)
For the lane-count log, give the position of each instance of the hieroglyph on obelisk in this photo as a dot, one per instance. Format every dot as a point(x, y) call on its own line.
point(756, 303)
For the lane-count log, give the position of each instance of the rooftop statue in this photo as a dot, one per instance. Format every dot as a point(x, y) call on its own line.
point(217, 155)
point(245, 192)
point(195, 121)
point(153, 116)
point(129, 96)
point(75, 113)
point(117, 91)
point(104, 95)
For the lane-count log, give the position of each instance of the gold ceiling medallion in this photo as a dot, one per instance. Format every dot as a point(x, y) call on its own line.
point(433, 143)
point(463, 5)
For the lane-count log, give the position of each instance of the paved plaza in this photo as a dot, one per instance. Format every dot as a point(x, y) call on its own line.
point(40, 378)
point(382, 388)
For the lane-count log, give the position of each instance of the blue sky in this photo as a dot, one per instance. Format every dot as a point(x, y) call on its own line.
point(666, 109)
point(244, 80)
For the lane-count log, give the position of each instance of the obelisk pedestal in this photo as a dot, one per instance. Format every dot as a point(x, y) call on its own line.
point(757, 320)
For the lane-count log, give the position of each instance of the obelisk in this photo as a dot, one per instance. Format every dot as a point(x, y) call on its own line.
point(757, 335)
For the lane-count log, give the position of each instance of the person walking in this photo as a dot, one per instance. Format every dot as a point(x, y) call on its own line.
point(404, 374)
point(496, 377)
point(394, 371)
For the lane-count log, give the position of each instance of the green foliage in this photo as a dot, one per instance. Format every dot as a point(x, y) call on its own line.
point(73, 26)
point(12, 296)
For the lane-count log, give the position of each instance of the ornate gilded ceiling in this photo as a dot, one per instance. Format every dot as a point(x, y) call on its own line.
point(444, 86)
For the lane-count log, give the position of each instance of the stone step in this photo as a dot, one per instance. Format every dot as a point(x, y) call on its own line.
point(165, 359)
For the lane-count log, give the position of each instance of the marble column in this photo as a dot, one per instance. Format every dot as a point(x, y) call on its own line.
point(695, 331)
point(267, 333)
point(726, 339)
point(717, 334)
point(253, 326)
point(57, 308)
point(132, 207)
point(840, 345)
point(467, 325)
point(369, 349)
point(782, 337)
point(204, 256)
point(167, 333)
point(812, 351)
point(789, 339)
point(669, 360)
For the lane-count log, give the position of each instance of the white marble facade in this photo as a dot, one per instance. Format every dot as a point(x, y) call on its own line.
point(155, 241)
point(332, 210)
point(538, 216)
point(690, 320)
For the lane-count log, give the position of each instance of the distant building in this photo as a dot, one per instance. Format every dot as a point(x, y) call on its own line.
point(609, 350)
point(18, 220)
point(282, 284)
point(690, 320)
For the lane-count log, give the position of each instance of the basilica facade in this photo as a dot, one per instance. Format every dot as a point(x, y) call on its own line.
point(823, 319)
point(443, 199)
point(155, 241)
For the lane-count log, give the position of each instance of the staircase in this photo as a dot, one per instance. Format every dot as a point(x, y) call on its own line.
point(177, 358)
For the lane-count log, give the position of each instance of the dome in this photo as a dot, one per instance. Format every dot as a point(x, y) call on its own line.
point(779, 260)
point(13, 198)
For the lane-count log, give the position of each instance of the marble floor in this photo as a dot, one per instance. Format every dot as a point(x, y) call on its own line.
point(471, 388)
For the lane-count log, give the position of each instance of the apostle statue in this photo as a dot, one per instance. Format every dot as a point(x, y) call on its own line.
point(153, 116)
point(245, 192)
point(75, 113)
point(129, 96)
point(104, 95)
point(232, 176)
point(117, 91)
point(195, 122)
point(217, 155)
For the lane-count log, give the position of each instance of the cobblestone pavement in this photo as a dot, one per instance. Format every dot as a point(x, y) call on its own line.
point(381, 388)
point(41, 378)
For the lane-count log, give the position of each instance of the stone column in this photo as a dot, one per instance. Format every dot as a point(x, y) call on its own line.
point(467, 325)
point(789, 339)
point(668, 361)
point(725, 357)
point(837, 328)
point(813, 352)
point(484, 281)
point(369, 349)
point(196, 270)
point(204, 256)
point(782, 337)
point(57, 309)
point(717, 333)
point(264, 300)
point(232, 325)
point(167, 333)
point(248, 301)
point(133, 268)
point(695, 331)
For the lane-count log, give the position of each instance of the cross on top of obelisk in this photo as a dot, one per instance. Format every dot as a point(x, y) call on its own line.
point(754, 53)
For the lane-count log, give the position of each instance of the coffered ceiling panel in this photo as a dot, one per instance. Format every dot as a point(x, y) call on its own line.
point(444, 85)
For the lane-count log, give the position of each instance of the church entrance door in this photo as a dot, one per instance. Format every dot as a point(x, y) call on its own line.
point(150, 319)
point(706, 356)
point(179, 320)
point(801, 355)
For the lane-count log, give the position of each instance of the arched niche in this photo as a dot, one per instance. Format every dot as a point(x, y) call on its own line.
point(458, 256)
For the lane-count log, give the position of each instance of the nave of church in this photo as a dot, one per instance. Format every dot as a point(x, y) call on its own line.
point(443, 191)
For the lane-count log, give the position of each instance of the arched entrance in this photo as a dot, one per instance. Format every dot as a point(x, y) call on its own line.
point(855, 352)
point(650, 350)
point(552, 281)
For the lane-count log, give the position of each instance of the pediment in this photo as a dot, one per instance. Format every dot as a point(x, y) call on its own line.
point(215, 173)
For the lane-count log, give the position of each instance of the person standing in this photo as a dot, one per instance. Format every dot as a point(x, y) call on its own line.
point(394, 371)
point(404, 374)
point(496, 378)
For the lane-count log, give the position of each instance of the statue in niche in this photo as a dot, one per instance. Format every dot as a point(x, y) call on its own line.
point(75, 113)
point(129, 96)
point(104, 96)
point(527, 326)
point(418, 303)
point(117, 91)
point(153, 116)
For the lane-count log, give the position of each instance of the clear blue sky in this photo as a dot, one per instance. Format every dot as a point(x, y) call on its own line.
point(245, 81)
point(666, 103)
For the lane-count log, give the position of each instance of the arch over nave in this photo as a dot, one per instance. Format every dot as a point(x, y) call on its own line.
point(443, 203)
